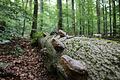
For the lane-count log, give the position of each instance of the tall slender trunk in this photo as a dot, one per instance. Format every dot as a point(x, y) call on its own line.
point(80, 28)
point(98, 15)
point(110, 19)
point(24, 21)
point(67, 13)
point(30, 5)
point(119, 18)
point(73, 17)
point(83, 17)
point(88, 15)
point(35, 15)
point(41, 13)
point(103, 10)
point(59, 3)
point(106, 31)
point(114, 18)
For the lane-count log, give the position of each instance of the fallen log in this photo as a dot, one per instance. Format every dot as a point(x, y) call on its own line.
point(101, 57)
point(74, 69)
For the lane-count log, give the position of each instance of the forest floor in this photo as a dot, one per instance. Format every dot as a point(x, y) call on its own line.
point(23, 61)
point(28, 65)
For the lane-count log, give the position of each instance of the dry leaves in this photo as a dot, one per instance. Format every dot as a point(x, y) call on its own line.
point(28, 66)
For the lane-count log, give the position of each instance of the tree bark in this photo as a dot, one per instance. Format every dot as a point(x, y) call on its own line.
point(59, 3)
point(67, 14)
point(80, 10)
point(98, 15)
point(73, 17)
point(119, 17)
point(41, 13)
point(103, 10)
point(114, 18)
point(106, 31)
point(110, 19)
point(24, 21)
point(82, 49)
point(35, 14)
point(30, 5)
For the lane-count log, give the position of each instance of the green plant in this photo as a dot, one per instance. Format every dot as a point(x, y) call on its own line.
point(36, 36)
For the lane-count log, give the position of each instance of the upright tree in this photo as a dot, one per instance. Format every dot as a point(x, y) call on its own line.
point(106, 31)
point(35, 14)
point(114, 18)
point(24, 21)
point(119, 17)
point(80, 15)
point(98, 15)
point(59, 4)
point(30, 5)
point(103, 15)
point(41, 13)
point(88, 16)
point(83, 17)
point(110, 18)
point(73, 17)
point(67, 13)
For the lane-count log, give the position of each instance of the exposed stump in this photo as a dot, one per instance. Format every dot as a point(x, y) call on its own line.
point(74, 69)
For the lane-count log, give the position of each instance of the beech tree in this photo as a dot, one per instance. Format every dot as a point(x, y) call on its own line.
point(73, 17)
point(35, 14)
point(41, 13)
point(98, 15)
point(114, 18)
point(110, 17)
point(59, 4)
point(76, 17)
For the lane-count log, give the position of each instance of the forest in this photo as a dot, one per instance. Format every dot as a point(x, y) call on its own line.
point(59, 39)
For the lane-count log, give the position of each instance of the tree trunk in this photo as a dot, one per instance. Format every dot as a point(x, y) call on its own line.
point(41, 13)
point(30, 5)
point(24, 21)
point(98, 15)
point(119, 18)
point(106, 32)
point(67, 14)
point(80, 14)
point(110, 19)
point(59, 3)
point(99, 64)
point(73, 17)
point(35, 13)
point(114, 18)
point(83, 17)
point(88, 17)
point(103, 17)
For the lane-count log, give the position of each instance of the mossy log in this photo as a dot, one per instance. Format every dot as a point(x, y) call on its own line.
point(102, 57)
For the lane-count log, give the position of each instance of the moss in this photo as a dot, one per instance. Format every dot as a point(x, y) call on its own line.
point(35, 38)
